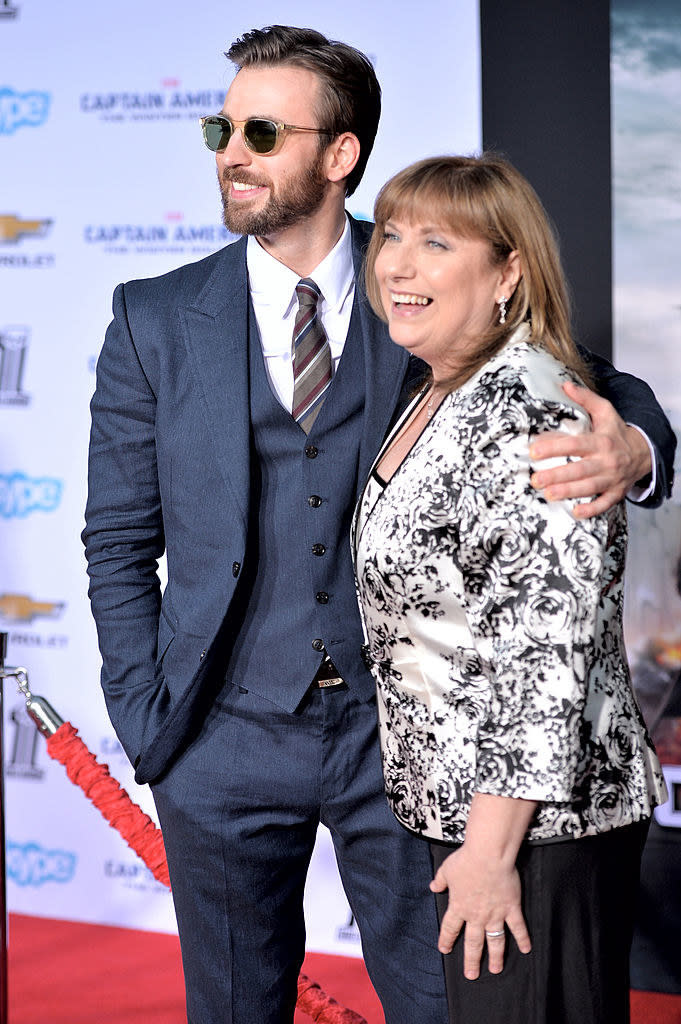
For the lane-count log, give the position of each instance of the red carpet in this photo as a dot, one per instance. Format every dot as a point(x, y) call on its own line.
point(65, 973)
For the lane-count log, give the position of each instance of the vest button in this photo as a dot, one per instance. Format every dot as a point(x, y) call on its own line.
point(322, 597)
point(314, 501)
point(236, 568)
point(318, 644)
point(318, 549)
point(311, 451)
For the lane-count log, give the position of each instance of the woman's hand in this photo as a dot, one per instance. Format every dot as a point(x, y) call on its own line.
point(483, 883)
point(484, 896)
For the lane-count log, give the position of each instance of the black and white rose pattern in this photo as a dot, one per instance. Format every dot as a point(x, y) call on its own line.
point(494, 621)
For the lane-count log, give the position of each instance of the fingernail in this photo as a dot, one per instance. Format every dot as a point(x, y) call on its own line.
point(549, 494)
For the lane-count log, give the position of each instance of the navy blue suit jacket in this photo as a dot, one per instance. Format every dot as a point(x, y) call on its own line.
point(169, 471)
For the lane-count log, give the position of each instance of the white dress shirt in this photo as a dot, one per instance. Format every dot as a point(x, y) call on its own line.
point(273, 291)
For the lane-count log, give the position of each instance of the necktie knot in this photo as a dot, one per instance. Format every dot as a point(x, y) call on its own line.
point(307, 292)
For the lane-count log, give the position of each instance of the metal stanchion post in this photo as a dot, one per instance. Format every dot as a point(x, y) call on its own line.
point(3, 878)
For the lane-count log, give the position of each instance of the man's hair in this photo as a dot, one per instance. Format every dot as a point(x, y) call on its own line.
point(350, 93)
point(485, 197)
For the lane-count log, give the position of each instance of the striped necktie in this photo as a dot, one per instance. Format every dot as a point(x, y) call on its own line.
point(311, 357)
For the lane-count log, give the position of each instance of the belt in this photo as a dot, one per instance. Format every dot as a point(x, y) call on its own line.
point(327, 674)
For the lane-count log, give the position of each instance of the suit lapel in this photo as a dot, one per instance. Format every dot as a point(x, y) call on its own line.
point(216, 332)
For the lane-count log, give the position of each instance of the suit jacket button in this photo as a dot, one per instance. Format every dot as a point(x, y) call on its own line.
point(203, 653)
point(318, 644)
point(314, 501)
point(322, 597)
point(318, 549)
point(236, 568)
point(311, 451)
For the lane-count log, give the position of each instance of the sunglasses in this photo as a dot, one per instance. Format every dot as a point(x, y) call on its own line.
point(260, 134)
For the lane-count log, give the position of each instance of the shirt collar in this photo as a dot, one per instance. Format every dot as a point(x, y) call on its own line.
point(273, 285)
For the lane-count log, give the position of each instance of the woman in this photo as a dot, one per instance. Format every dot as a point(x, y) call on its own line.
point(511, 738)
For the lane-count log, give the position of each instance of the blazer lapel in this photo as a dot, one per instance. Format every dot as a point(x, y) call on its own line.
point(216, 333)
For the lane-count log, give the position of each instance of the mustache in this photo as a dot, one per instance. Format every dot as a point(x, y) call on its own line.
point(230, 174)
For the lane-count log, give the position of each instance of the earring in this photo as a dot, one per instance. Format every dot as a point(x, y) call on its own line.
point(502, 309)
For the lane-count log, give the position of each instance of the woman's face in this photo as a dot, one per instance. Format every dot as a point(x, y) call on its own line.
point(439, 290)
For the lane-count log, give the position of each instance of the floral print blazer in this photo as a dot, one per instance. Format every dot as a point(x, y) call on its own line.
point(493, 620)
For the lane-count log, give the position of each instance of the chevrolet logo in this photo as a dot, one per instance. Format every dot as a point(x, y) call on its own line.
point(22, 608)
point(12, 228)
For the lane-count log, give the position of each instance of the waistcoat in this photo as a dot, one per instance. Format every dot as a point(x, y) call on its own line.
point(296, 595)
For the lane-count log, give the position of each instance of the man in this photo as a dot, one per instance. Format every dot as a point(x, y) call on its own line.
point(241, 695)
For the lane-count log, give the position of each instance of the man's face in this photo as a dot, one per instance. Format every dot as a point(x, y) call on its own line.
point(262, 194)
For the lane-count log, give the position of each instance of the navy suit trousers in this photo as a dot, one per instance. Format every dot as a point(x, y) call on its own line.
point(239, 811)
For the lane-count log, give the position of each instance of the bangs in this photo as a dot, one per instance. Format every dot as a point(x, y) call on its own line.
point(434, 196)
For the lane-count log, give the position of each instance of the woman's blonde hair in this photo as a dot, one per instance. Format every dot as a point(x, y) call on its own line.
point(486, 197)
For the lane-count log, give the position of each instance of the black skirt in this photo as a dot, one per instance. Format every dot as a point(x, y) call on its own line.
point(579, 903)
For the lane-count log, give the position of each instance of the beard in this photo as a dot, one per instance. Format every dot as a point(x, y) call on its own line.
point(295, 199)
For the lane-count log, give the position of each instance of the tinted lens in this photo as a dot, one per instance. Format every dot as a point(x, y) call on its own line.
point(217, 131)
point(260, 135)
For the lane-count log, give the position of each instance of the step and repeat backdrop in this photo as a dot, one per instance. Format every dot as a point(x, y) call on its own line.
point(105, 178)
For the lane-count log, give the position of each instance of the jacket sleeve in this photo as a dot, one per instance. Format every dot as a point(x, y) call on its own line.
point(636, 403)
point(532, 577)
point(124, 534)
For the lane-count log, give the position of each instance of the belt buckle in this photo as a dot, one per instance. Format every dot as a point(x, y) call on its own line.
point(327, 674)
point(333, 681)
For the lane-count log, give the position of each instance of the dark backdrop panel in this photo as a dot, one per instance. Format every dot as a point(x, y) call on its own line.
point(546, 106)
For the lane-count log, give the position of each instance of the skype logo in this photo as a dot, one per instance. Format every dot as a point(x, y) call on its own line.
point(29, 864)
point(20, 495)
point(22, 109)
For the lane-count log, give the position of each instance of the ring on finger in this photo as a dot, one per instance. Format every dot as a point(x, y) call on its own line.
point(494, 935)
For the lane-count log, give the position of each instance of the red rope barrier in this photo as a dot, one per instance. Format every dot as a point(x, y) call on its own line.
point(136, 827)
point(313, 1001)
point(142, 836)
